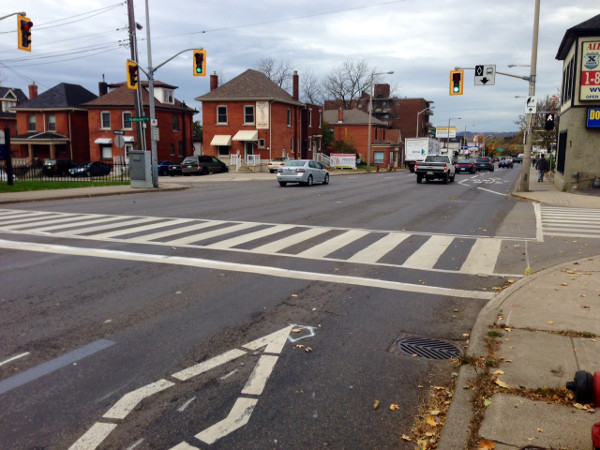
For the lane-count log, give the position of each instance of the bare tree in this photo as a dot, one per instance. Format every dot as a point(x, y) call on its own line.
point(279, 73)
point(347, 82)
point(310, 87)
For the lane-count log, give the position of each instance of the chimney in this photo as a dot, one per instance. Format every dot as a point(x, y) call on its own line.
point(102, 88)
point(381, 91)
point(33, 90)
point(340, 115)
point(295, 84)
point(214, 81)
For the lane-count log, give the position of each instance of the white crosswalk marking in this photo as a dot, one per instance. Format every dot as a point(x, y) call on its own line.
point(277, 239)
point(573, 222)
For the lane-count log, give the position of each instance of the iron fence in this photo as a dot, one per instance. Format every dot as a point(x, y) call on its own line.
point(97, 171)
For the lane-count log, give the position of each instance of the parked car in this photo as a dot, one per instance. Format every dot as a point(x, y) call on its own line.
point(202, 165)
point(4, 176)
point(484, 163)
point(57, 167)
point(90, 169)
point(506, 163)
point(465, 165)
point(303, 171)
point(275, 164)
point(175, 169)
point(163, 167)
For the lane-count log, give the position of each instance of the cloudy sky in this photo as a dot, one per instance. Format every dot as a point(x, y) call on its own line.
point(421, 41)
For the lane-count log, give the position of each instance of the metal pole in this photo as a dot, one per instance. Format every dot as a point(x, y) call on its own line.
point(524, 184)
point(154, 156)
point(369, 132)
point(137, 97)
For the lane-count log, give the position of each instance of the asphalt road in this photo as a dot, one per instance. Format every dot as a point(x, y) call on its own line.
point(88, 317)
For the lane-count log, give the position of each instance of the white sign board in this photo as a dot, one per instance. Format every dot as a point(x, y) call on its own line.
point(531, 106)
point(485, 75)
point(342, 160)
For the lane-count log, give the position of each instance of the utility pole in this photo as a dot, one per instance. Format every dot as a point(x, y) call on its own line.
point(153, 138)
point(138, 104)
point(524, 183)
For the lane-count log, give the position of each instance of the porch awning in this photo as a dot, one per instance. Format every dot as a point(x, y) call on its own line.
point(103, 141)
point(246, 135)
point(128, 139)
point(221, 140)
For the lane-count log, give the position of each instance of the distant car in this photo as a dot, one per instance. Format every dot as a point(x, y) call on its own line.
point(518, 159)
point(506, 163)
point(484, 163)
point(465, 165)
point(90, 169)
point(163, 167)
point(57, 167)
point(303, 171)
point(175, 169)
point(4, 176)
point(275, 164)
point(202, 165)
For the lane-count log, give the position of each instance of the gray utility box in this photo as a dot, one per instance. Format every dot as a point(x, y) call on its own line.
point(140, 168)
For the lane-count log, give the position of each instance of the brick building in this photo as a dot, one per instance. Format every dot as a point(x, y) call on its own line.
point(252, 117)
point(9, 98)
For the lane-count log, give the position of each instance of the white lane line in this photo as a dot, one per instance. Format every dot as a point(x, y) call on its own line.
point(482, 257)
point(184, 446)
point(325, 248)
point(429, 253)
point(261, 373)
point(244, 268)
point(237, 418)
point(539, 231)
point(273, 342)
point(94, 436)
point(379, 249)
point(130, 400)
point(205, 366)
point(186, 404)
point(493, 192)
point(19, 356)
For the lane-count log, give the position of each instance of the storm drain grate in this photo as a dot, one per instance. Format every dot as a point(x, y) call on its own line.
point(425, 347)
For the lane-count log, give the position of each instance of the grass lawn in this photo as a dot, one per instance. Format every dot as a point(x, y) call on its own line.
point(20, 186)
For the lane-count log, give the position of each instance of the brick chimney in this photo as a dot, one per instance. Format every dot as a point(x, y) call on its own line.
point(33, 90)
point(295, 93)
point(214, 81)
point(102, 88)
point(381, 91)
point(340, 115)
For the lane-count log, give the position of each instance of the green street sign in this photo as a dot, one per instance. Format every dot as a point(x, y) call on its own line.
point(141, 119)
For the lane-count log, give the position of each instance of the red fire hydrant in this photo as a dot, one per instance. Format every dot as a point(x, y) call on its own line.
point(587, 390)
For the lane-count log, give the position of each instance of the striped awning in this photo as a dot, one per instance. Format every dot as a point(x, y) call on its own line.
point(221, 140)
point(246, 135)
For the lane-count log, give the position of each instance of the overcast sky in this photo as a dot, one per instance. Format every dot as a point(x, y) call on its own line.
point(421, 41)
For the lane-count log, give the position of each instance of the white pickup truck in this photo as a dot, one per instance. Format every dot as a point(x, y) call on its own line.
point(435, 167)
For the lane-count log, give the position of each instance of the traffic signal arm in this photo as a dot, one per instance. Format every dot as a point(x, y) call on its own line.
point(24, 25)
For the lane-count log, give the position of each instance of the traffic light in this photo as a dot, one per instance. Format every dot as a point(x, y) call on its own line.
point(549, 122)
point(24, 25)
point(456, 82)
point(132, 75)
point(199, 63)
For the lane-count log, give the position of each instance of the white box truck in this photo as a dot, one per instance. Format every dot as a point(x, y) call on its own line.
point(416, 149)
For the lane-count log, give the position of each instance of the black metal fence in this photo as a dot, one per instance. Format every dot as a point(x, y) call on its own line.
point(97, 171)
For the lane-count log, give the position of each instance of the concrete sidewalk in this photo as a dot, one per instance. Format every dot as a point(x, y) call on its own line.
point(544, 327)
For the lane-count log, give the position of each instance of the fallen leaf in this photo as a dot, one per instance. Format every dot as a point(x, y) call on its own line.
point(435, 412)
point(486, 445)
point(394, 406)
point(501, 383)
point(564, 284)
point(406, 438)
point(420, 386)
point(299, 346)
point(296, 330)
point(376, 404)
point(487, 402)
point(294, 295)
point(498, 372)
point(431, 421)
point(539, 430)
point(551, 322)
point(308, 349)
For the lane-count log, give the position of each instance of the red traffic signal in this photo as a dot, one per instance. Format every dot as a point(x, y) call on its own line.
point(24, 25)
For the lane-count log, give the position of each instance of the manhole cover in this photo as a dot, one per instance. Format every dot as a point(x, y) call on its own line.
point(425, 347)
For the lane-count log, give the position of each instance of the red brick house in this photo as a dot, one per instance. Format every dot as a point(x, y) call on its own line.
point(114, 110)
point(352, 127)
point(9, 98)
point(53, 124)
point(252, 117)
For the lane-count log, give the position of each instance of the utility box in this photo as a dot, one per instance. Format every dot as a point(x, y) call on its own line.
point(140, 168)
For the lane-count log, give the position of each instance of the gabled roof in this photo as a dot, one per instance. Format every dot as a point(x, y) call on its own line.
point(590, 27)
point(250, 85)
point(351, 117)
point(18, 93)
point(123, 97)
point(61, 96)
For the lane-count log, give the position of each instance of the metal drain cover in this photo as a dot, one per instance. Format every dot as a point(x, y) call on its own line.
point(425, 347)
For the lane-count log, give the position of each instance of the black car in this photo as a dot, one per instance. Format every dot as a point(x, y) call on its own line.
point(175, 169)
point(90, 169)
point(484, 163)
point(465, 165)
point(202, 165)
point(57, 167)
point(163, 167)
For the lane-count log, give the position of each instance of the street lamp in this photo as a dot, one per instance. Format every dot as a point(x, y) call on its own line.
point(488, 136)
point(370, 114)
point(448, 137)
point(419, 113)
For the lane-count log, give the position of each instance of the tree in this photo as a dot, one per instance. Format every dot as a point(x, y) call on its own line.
point(347, 82)
point(198, 131)
point(541, 137)
point(327, 137)
point(311, 89)
point(279, 73)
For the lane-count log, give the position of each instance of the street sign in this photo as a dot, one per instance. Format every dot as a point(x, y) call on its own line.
point(119, 132)
point(531, 106)
point(140, 119)
point(485, 75)
point(119, 141)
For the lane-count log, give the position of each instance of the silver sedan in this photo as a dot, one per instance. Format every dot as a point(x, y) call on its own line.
point(303, 171)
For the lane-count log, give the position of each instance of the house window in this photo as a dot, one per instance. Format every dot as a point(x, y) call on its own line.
point(223, 150)
point(127, 120)
point(168, 96)
point(31, 123)
point(310, 118)
point(172, 150)
point(320, 118)
point(378, 157)
point(106, 151)
point(105, 120)
point(249, 115)
point(221, 114)
point(175, 122)
point(292, 149)
point(289, 117)
point(261, 143)
point(51, 122)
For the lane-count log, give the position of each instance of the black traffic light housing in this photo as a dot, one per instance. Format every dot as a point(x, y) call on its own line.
point(549, 122)
point(24, 25)
point(456, 82)
point(199, 63)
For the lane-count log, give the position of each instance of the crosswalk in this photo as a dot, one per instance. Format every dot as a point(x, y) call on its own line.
point(434, 252)
point(572, 222)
